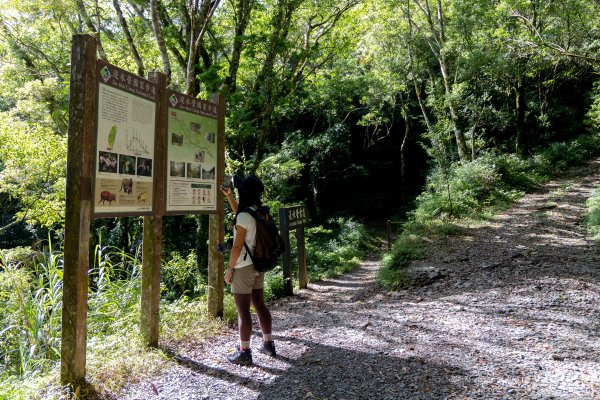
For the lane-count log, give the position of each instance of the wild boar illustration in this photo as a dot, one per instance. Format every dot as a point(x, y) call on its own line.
point(107, 196)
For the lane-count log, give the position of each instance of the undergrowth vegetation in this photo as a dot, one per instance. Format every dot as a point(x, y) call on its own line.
point(593, 216)
point(477, 190)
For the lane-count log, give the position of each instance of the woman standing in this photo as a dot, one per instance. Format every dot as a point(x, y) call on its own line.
point(246, 283)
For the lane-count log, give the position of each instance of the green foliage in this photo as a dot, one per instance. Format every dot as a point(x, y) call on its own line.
point(336, 247)
point(477, 189)
point(32, 162)
point(592, 120)
point(185, 320)
point(114, 303)
point(180, 277)
point(593, 216)
point(30, 315)
point(493, 181)
point(279, 173)
point(408, 247)
point(274, 284)
point(470, 189)
point(561, 155)
point(22, 256)
point(230, 316)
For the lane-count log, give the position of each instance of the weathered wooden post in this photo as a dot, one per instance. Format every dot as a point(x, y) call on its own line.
point(78, 212)
point(302, 272)
point(293, 217)
point(152, 239)
point(287, 255)
point(216, 228)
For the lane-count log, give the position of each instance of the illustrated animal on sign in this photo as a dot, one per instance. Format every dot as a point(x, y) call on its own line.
point(143, 168)
point(107, 196)
point(142, 198)
point(127, 185)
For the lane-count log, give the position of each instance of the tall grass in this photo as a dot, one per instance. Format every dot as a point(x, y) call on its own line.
point(30, 315)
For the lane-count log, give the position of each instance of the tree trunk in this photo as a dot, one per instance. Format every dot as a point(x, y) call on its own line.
point(160, 40)
point(129, 38)
point(520, 108)
point(243, 11)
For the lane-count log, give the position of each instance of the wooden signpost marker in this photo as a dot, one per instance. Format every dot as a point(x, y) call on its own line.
point(293, 217)
point(152, 248)
point(216, 229)
point(78, 211)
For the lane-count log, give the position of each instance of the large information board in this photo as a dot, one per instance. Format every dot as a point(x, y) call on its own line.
point(191, 182)
point(125, 141)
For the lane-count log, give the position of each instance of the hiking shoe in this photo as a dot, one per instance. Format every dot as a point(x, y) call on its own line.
point(268, 348)
point(241, 357)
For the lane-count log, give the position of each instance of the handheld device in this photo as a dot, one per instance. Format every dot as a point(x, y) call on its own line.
point(228, 182)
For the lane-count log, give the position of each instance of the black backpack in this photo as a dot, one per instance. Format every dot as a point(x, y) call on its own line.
point(269, 243)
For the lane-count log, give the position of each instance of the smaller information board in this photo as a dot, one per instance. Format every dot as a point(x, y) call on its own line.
point(124, 143)
point(296, 216)
point(191, 182)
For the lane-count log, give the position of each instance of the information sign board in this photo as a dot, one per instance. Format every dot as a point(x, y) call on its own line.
point(191, 182)
point(125, 140)
point(296, 216)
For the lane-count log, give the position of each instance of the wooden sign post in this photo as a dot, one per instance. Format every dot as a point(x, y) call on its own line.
point(134, 149)
point(216, 222)
point(293, 217)
point(152, 249)
point(79, 205)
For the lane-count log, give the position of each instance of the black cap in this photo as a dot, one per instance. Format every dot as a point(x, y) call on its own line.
point(250, 185)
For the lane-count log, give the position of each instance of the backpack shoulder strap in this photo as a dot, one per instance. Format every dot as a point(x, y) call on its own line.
point(252, 212)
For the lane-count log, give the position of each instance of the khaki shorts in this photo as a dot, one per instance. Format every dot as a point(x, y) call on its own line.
point(246, 279)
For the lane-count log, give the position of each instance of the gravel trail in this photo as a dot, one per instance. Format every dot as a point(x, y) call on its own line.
point(515, 315)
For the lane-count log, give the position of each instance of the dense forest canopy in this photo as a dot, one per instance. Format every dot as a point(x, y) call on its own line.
point(343, 104)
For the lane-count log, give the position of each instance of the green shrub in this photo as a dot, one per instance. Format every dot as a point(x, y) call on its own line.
point(335, 248)
point(471, 189)
point(559, 156)
point(592, 120)
point(593, 216)
point(230, 316)
point(274, 284)
point(180, 277)
point(25, 256)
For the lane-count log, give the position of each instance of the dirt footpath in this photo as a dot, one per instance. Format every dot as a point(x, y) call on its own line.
point(516, 315)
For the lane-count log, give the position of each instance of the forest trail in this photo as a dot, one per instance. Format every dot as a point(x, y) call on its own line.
point(516, 315)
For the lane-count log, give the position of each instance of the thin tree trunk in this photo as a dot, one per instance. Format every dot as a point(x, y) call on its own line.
point(520, 106)
point(160, 40)
point(436, 44)
point(93, 28)
point(129, 38)
point(243, 11)
point(199, 20)
point(406, 117)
